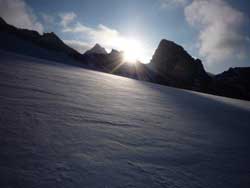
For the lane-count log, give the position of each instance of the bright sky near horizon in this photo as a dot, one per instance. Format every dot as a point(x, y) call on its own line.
point(216, 31)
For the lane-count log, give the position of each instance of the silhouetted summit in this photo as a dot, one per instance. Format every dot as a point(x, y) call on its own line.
point(114, 52)
point(179, 68)
point(97, 49)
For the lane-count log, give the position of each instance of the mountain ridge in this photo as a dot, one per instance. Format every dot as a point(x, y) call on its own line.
point(46, 40)
point(171, 64)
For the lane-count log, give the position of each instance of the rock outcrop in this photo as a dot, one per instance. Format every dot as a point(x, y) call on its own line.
point(48, 41)
point(97, 49)
point(234, 82)
point(178, 68)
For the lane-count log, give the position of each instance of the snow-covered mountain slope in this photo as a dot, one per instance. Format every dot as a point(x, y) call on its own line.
point(63, 126)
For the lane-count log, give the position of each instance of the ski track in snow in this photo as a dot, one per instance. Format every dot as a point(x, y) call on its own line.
point(64, 126)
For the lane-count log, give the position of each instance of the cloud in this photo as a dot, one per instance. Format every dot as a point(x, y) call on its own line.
point(49, 22)
point(19, 14)
point(48, 19)
point(78, 45)
point(67, 18)
point(108, 37)
point(220, 29)
point(171, 3)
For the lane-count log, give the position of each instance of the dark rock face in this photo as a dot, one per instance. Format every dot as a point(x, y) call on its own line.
point(53, 42)
point(97, 49)
point(178, 68)
point(234, 82)
point(48, 41)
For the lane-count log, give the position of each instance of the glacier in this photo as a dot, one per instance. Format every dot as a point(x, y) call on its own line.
point(65, 126)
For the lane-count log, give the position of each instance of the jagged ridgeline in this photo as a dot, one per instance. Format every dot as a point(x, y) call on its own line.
point(171, 64)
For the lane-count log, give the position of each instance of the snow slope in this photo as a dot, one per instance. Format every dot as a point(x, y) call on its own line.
point(63, 126)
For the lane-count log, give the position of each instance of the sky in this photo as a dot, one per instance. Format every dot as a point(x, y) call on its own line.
point(215, 31)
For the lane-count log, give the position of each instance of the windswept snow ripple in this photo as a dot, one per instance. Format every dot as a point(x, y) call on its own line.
point(63, 126)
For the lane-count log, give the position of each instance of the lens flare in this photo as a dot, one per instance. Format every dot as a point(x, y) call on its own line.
point(132, 51)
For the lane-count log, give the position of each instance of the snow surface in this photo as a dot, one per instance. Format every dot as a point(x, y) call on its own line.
point(63, 126)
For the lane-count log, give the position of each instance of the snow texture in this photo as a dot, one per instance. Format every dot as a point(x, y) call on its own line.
point(63, 126)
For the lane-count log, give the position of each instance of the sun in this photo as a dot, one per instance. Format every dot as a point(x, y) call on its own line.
point(132, 51)
point(130, 57)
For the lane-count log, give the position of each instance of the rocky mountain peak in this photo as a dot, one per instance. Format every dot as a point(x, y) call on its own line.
point(97, 49)
point(169, 53)
point(113, 51)
point(174, 63)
